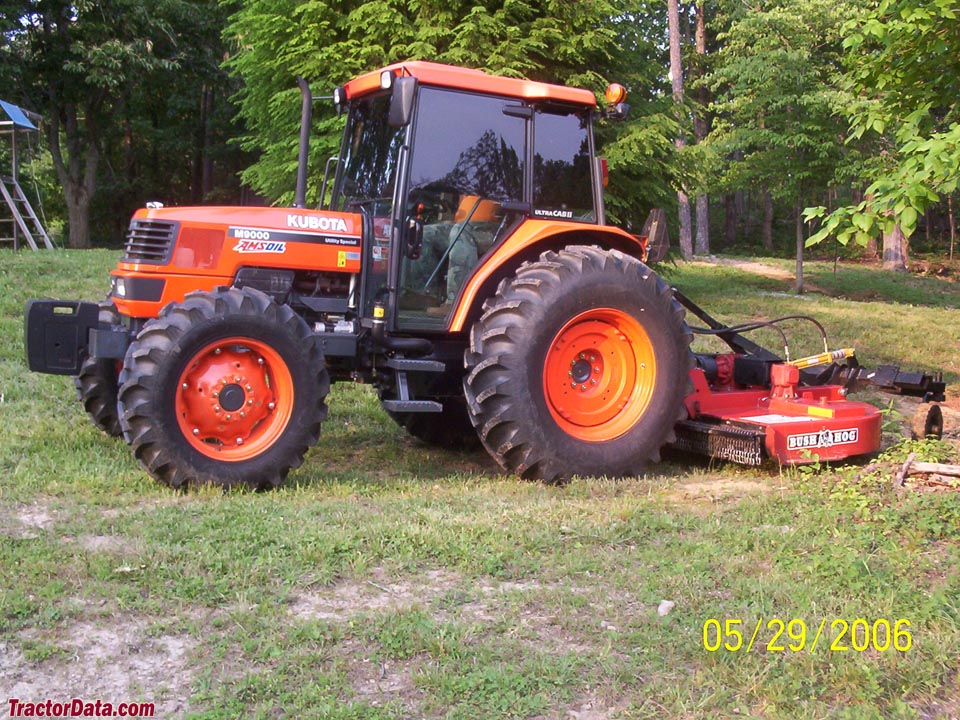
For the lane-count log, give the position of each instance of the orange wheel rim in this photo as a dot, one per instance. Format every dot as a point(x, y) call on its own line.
point(599, 375)
point(234, 399)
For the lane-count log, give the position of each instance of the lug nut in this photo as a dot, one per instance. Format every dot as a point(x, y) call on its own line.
point(242, 414)
point(217, 351)
point(592, 359)
point(570, 373)
point(271, 406)
point(239, 441)
point(229, 417)
point(249, 388)
point(582, 356)
point(216, 394)
point(249, 402)
point(237, 379)
point(196, 431)
point(573, 384)
point(259, 361)
point(185, 386)
point(583, 387)
point(594, 381)
point(216, 408)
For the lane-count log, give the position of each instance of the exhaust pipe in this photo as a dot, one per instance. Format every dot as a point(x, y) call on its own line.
point(306, 117)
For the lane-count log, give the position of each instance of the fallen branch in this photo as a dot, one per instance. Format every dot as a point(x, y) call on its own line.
point(902, 475)
point(928, 468)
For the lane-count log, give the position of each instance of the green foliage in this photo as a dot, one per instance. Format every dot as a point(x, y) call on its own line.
point(582, 44)
point(775, 127)
point(133, 100)
point(909, 118)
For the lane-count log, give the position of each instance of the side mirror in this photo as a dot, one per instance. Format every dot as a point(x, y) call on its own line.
point(401, 101)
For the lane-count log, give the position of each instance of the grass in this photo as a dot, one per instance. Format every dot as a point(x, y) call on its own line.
point(392, 580)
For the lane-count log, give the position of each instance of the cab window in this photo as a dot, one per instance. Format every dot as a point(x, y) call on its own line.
point(562, 188)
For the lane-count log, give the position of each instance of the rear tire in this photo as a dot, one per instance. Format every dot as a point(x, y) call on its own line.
point(97, 382)
point(226, 388)
point(578, 366)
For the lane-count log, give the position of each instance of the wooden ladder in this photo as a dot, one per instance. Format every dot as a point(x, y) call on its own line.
point(24, 218)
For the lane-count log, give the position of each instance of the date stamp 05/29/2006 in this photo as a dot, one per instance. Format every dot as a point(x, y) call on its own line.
point(795, 635)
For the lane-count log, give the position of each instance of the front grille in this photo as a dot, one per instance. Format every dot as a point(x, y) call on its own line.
point(150, 241)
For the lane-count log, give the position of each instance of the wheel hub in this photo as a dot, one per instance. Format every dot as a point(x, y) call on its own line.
point(598, 373)
point(232, 397)
point(227, 400)
point(582, 370)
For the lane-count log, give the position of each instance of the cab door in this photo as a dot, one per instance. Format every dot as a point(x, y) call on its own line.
point(468, 157)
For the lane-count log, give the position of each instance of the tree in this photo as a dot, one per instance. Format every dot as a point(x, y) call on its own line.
point(911, 119)
point(129, 93)
point(702, 202)
point(776, 127)
point(676, 77)
point(77, 60)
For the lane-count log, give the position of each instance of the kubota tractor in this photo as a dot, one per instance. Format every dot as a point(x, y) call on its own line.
point(464, 268)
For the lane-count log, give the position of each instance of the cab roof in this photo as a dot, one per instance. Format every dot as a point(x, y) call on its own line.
point(461, 78)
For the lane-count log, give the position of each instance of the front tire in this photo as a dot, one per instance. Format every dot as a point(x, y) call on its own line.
point(97, 382)
point(578, 366)
point(226, 388)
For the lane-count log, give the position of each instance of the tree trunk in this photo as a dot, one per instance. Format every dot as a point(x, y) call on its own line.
point(953, 224)
point(703, 225)
point(202, 162)
point(730, 220)
point(767, 230)
point(895, 250)
point(798, 288)
point(78, 218)
point(700, 132)
point(77, 174)
point(676, 76)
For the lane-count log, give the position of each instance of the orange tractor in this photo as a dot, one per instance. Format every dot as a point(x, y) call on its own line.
point(464, 268)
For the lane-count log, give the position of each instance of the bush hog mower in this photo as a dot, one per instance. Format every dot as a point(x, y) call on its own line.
point(464, 268)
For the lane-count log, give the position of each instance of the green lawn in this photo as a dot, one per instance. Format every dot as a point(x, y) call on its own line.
point(392, 580)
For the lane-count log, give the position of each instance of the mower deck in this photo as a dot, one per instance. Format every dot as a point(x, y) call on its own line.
point(750, 425)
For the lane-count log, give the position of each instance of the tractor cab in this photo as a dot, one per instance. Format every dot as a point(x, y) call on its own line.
point(446, 165)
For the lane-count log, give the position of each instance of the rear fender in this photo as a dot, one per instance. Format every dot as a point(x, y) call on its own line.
point(525, 244)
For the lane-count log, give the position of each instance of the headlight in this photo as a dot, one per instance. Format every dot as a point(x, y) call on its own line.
point(119, 287)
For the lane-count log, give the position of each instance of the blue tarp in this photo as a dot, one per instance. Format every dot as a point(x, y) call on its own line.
point(18, 116)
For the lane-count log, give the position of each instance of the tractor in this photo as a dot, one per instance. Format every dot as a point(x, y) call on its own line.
point(464, 268)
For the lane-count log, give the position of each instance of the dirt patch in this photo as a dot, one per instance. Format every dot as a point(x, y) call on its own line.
point(350, 598)
point(381, 683)
point(113, 544)
point(114, 661)
point(700, 496)
point(758, 268)
point(26, 522)
point(595, 708)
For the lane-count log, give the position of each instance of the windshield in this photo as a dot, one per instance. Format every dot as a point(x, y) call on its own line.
point(370, 155)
